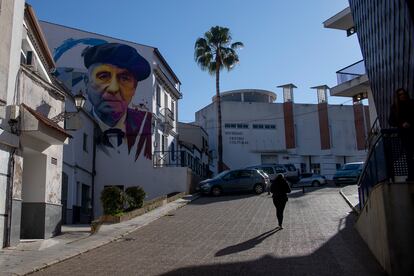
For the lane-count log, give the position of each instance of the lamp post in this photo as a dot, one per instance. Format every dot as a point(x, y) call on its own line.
point(79, 103)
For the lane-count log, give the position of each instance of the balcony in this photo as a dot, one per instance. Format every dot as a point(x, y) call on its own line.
point(352, 80)
point(351, 72)
point(167, 119)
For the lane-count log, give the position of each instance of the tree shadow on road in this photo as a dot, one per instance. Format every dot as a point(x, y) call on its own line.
point(344, 254)
point(249, 244)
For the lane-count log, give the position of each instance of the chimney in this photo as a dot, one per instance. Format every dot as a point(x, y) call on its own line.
point(325, 136)
point(288, 114)
point(359, 125)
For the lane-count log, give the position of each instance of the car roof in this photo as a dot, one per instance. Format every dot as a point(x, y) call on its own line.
point(354, 163)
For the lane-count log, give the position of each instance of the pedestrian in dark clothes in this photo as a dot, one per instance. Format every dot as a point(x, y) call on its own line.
point(402, 117)
point(280, 188)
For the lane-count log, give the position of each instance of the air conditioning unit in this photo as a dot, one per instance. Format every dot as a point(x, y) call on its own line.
point(13, 112)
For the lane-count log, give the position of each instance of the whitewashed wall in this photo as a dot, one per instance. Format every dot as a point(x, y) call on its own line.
point(272, 141)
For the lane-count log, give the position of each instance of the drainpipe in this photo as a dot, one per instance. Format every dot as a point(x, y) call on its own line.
point(93, 173)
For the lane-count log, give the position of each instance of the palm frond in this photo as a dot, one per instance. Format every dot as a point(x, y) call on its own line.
point(237, 45)
point(216, 41)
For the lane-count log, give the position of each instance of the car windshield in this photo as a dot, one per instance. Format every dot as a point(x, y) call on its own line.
point(350, 167)
point(220, 175)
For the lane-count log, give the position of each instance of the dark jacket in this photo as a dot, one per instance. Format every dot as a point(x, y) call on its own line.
point(405, 113)
point(279, 188)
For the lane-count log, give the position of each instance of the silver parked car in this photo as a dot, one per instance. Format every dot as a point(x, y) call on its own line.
point(235, 181)
point(311, 179)
point(272, 170)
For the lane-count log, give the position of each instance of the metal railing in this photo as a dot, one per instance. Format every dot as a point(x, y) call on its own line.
point(373, 134)
point(179, 158)
point(386, 161)
point(350, 72)
point(167, 119)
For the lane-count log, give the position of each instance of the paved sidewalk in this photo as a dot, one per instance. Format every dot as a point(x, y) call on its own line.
point(236, 235)
point(32, 255)
point(350, 194)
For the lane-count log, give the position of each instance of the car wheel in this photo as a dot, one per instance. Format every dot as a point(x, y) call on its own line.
point(316, 183)
point(258, 189)
point(216, 191)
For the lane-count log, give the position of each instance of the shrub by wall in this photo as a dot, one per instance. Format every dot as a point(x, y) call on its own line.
point(112, 199)
point(134, 197)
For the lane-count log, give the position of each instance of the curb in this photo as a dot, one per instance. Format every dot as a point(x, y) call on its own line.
point(112, 239)
point(348, 202)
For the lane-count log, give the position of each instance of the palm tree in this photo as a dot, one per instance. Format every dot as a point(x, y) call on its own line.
point(214, 52)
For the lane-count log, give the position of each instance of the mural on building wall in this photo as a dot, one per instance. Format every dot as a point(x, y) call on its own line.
point(110, 78)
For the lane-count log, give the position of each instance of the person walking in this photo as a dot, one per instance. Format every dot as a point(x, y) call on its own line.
point(280, 188)
point(402, 117)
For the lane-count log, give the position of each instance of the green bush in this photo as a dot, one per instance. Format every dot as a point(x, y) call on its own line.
point(134, 197)
point(112, 199)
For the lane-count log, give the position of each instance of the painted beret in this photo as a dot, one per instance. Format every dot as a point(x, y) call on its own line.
point(120, 55)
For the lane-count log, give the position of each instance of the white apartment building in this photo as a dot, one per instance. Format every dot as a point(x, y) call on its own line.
point(194, 150)
point(89, 164)
point(31, 138)
point(352, 80)
point(256, 130)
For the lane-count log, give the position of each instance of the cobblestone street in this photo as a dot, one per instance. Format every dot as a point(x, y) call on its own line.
point(235, 235)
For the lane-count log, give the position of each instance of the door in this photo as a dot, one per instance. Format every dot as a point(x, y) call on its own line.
point(230, 181)
point(64, 197)
point(246, 180)
point(85, 214)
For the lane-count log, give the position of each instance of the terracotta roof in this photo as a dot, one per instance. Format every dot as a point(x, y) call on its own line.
point(48, 122)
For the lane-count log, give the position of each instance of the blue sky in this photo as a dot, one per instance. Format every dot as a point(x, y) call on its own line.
point(285, 41)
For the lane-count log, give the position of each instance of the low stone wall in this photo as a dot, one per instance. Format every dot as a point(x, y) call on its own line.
point(175, 197)
point(147, 206)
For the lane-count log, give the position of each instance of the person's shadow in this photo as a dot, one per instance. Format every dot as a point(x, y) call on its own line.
point(247, 244)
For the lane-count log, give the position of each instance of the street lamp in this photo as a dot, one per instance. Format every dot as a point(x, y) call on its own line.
point(79, 103)
point(80, 100)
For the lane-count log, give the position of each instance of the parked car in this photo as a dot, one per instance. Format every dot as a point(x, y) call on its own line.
point(311, 179)
point(348, 173)
point(272, 170)
point(235, 181)
point(292, 173)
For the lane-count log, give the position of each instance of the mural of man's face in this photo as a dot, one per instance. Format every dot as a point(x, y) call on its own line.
point(110, 90)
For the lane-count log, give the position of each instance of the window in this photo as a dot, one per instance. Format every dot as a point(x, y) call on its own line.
point(86, 199)
point(157, 141)
point(172, 151)
point(338, 166)
point(163, 144)
point(316, 168)
point(172, 110)
point(158, 96)
point(268, 170)
point(262, 126)
point(241, 126)
point(165, 100)
point(85, 142)
point(302, 167)
point(290, 167)
point(245, 174)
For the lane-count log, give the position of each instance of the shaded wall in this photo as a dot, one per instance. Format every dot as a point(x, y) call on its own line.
point(386, 34)
point(386, 224)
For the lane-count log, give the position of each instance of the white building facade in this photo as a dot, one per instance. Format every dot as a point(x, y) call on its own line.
point(256, 130)
point(89, 164)
point(194, 150)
